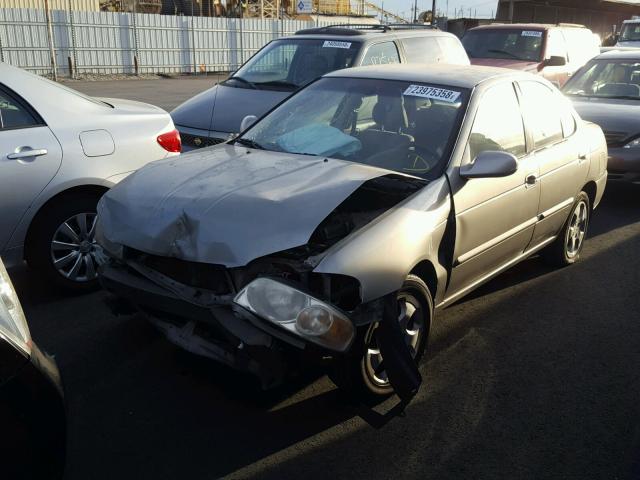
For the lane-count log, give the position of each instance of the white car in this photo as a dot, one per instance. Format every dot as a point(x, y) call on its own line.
point(59, 152)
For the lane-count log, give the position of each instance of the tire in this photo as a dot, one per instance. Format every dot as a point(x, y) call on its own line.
point(59, 231)
point(566, 248)
point(356, 373)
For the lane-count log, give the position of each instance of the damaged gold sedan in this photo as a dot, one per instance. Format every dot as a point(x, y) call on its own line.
point(334, 227)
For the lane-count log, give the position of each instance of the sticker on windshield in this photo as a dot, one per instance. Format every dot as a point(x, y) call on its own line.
point(449, 96)
point(532, 33)
point(335, 44)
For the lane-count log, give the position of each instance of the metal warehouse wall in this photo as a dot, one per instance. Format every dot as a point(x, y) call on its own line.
point(90, 5)
point(598, 17)
point(106, 42)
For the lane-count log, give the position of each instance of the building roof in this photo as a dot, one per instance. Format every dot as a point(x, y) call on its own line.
point(461, 76)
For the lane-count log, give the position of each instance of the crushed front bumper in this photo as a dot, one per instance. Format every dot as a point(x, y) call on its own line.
point(213, 326)
point(225, 333)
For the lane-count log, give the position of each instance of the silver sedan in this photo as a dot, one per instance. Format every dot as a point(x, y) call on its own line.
point(59, 152)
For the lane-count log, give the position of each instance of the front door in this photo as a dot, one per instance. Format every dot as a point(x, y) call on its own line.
point(30, 156)
point(495, 217)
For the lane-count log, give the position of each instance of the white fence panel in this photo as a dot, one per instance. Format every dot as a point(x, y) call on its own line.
point(110, 43)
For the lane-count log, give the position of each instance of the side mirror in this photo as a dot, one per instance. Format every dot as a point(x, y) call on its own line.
point(555, 61)
point(247, 122)
point(490, 164)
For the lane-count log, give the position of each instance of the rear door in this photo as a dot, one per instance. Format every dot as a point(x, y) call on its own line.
point(563, 162)
point(30, 156)
point(495, 217)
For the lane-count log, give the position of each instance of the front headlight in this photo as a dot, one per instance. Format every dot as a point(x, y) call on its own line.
point(13, 325)
point(633, 143)
point(298, 313)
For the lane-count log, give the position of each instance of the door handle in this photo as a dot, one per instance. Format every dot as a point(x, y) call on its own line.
point(27, 154)
point(531, 179)
point(582, 156)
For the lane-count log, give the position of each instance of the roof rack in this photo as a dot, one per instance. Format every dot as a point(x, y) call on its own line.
point(361, 29)
point(410, 26)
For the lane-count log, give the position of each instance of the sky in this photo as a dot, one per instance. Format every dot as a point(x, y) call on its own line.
point(483, 7)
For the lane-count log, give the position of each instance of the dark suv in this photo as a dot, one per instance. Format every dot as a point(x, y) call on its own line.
point(284, 65)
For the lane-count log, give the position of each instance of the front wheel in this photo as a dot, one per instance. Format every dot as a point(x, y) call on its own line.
point(362, 373)
point(566, 249)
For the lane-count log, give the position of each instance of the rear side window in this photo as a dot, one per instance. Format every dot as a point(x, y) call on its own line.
point(422, 49)
point(567, 119)
point(14, 114)
point(381, 54)
point(541, 113)
point(498, 123)
point(452, 51)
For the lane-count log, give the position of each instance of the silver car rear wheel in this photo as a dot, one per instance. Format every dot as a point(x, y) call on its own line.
point(74, 250)
point(577, 229)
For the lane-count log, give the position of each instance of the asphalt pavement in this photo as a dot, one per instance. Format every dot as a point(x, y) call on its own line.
point(166, 93)
point(536, 375)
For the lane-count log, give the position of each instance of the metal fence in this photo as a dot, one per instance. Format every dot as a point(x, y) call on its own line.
point(113, 43)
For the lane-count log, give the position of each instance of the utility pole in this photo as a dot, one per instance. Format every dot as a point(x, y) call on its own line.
point(415, 11)
point(434, 22)
point(52, 52)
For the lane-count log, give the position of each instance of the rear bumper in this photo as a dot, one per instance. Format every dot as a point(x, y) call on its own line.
point(624, 164)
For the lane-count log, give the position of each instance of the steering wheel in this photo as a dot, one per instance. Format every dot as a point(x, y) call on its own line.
point(421, 160)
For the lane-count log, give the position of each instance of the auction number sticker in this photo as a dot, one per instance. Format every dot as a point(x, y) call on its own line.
point(532, 33)
point(449, 96)
point(335, 44)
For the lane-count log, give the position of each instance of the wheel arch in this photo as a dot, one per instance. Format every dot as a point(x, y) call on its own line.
point(427, 273)
point(591, 189)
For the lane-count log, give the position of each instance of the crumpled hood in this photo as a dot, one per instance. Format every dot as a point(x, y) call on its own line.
point(506, 63)
point(227, 205)
point(611, 115)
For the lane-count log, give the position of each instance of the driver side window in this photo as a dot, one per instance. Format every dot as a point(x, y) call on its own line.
point(498, 123)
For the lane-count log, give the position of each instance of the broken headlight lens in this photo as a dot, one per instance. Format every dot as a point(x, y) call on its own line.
point(297, 312)
point(13, 325)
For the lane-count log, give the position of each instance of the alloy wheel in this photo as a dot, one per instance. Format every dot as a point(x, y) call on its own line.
point(577, 229)
point(74, 251)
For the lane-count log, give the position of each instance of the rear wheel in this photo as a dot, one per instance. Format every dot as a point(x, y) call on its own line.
point(62, 244)
point(566, 249)
point(362, 374)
